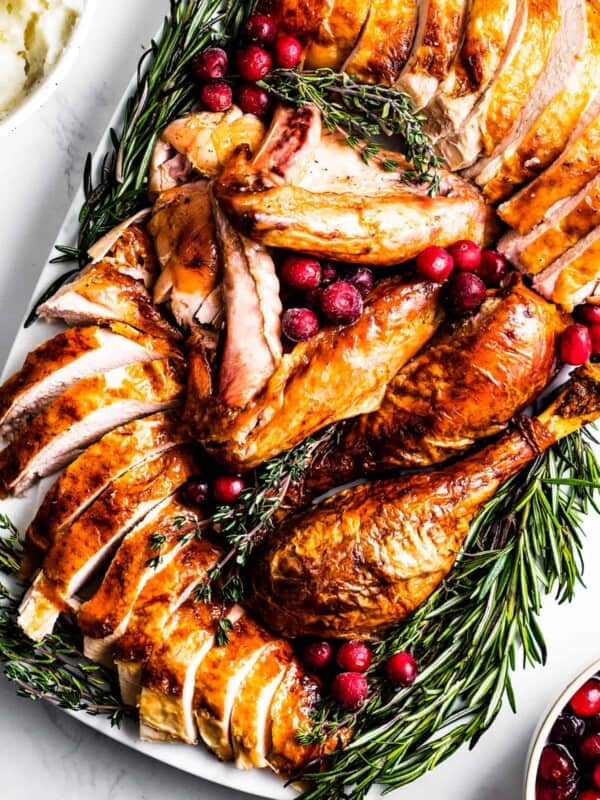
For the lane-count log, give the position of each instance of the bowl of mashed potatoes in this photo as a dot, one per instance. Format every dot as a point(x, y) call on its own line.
point(39, 39)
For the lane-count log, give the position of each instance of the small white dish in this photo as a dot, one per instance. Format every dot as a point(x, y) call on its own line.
point(41, 91)
point(543, 732)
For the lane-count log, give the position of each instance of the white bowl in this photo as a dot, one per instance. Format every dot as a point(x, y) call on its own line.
point(543, 732)
point(41, 91)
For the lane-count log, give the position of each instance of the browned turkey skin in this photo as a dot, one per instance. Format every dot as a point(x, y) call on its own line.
point(390, 543)
point(466, 385)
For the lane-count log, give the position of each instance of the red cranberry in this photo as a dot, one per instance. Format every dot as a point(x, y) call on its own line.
point(354, 656)
point(589, 794)
point(363, 279)
point(466, 255)
point(575, 347)
point(402, 669)
point(301, 272)
point(227, 488)
point(196, 491)
point(595, 337)
point(350, 689)
point(566, 728)
point(588, 314)
point(493, 267)
point(253, 62)
point(341, 303)
point(260, 29)
point(556, 764)
point(555, 791)
point(590, 746)
point(288, 52)
point(317, 655)
point(435, 264)
point(586, 700)
point(596, 775)
point(253, 100)
point(465, 292)
point(329, 274)
point(299, 324)
point(216, 96)
point(210, 64)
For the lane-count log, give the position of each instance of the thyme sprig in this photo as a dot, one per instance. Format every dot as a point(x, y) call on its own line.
point(54, 670)
point(362, 111)
point(525, 544)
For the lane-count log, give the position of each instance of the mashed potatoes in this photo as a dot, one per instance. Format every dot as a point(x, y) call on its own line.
point(33, 34)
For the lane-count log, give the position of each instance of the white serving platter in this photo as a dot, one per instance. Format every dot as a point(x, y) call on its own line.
point(573, 635)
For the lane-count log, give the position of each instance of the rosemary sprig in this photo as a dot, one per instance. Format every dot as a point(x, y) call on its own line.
point(362, 111)
point(525, 544)
point(54, 670)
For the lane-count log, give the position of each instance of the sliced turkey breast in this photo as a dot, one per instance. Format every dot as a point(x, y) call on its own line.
point(103, 292)
point(492, 32)
point(85, 412)
point(220, 678)
point(578, 164)
point(537, 140)
point(573, 277)
point(70, 356)
point(128, 248)
point(184, 232)
point(512, 89)
point(252, 349)
point(82, 549)
point(437, 40)
point(160, 598)
point(567, 223)
point(91, 472)
point(144, 552)
point(167, 695)
point(250, 727)
point(385, 41)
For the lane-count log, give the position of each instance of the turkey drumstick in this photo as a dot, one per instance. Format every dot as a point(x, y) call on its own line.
point(371, 554)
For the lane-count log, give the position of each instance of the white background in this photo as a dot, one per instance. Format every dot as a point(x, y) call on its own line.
point(43, 753)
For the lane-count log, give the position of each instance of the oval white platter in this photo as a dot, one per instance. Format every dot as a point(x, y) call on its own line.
point(573, 635)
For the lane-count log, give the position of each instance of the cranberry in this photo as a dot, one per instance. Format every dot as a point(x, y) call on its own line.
point(299, 324)
point(596, 775)
point(350, 689)
point(288, 51)
point(253, 100)
point(363, 279)
point(589, 794)
point(588, 314)
point(595, 337)
point(435, 264)
point(317, 655)
point(341, 303)
point(354, 656)
point(556, 764)
point(590, 746)
point(260, 29)
point(196, 491)
point(493, 267)
point(402, 669)
point(575, 347)
point(227, 488)
point(466, 255)
point(566, 728)
point(210, 64)
point(301, 272)
point(216, 96)
point(253, 62)
point(586, 700)
point(329, 274)
point(556, 791)
point(465, 292)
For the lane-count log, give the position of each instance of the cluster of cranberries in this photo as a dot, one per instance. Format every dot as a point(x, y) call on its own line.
point(569, 767)
point(326, 295)
point(223, 490)
point(580, 341)
point(349, 686)
point(263, 47)
point(468, 270)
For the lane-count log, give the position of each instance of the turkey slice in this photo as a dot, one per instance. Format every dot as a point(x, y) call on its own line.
point(83, 413)
point(573, 277)
point(82, 549)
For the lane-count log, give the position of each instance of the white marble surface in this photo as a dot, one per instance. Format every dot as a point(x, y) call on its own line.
point(44, 753)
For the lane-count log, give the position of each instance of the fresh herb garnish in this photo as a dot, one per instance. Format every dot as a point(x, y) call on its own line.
point(224, 626)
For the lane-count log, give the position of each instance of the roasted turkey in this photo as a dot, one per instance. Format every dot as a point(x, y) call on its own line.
point(369, 555)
